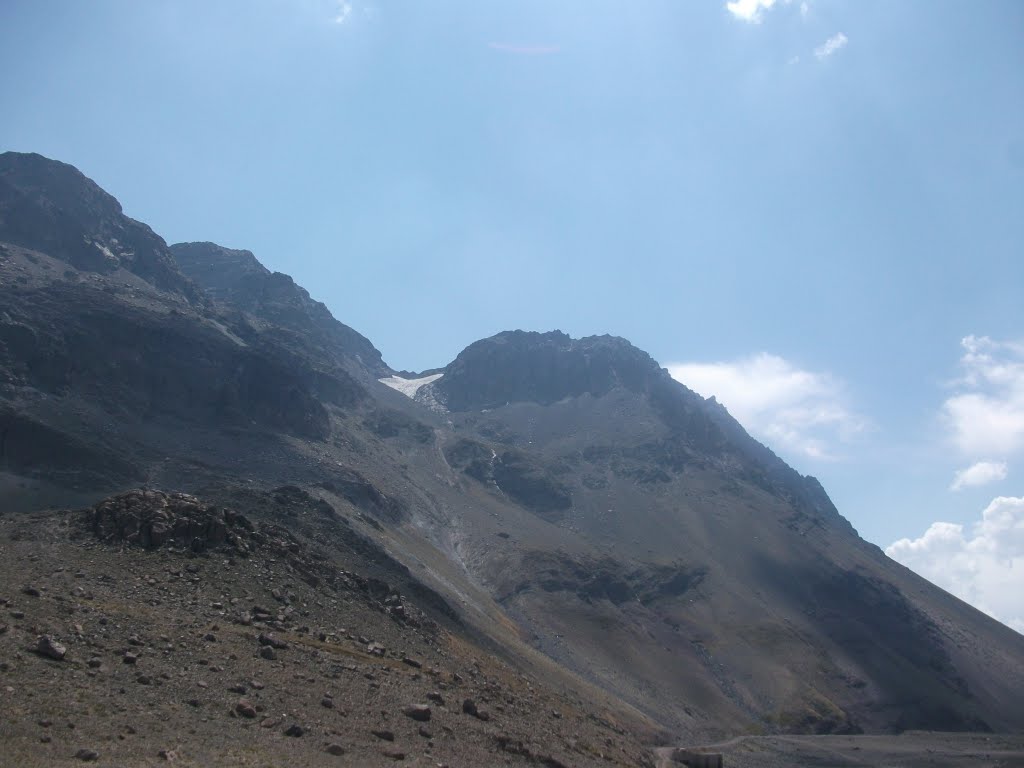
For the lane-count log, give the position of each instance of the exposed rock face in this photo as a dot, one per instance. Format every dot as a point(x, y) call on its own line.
point(517, 366)
point(605, 579)
point(239, 281)
point(52, 207)
point(152, 519)
point(514, 474)
point(102, 338)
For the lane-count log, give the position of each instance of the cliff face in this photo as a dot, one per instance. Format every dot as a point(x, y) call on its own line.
point(52, 208)
point(111, 359)
point(274, 303)
point(591, 519)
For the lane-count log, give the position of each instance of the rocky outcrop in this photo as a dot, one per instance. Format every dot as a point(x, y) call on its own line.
point(521, 366)
point(152, 519)
point(273, 301)
point(514, 474)
point(52, 207)
point(605, 578)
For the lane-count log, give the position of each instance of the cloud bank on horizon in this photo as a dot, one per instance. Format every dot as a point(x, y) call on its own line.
point(982, 565)
point(986, 415)
point(797, 410)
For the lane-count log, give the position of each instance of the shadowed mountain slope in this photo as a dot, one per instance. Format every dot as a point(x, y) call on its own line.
point(273, 302)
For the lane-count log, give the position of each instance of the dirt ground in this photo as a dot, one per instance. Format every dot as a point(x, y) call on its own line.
point(914, 749)
point(165, 657)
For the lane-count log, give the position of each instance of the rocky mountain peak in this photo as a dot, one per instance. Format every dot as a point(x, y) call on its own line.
point(240, 282)
point(527, 366)
point(220, 270)
point(52, 207)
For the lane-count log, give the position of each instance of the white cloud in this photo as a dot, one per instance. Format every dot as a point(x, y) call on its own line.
point(753, 11)
point(785, 406)
point(986, 415)
point(835, 43)
point(749, 10)
point(981, 473)
point(984, 568)
point(343, 12)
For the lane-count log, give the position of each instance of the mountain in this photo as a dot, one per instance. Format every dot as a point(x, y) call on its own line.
point(53, 208)
point(560, 504)
point(273, 303)
point(689, 554)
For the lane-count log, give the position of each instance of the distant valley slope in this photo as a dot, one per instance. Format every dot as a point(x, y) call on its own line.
point(581, 514)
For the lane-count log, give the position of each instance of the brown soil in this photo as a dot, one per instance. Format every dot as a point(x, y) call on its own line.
point(199, 692)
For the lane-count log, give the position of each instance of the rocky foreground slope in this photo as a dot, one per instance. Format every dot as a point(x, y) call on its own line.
point(561, 504)
point(157, 628)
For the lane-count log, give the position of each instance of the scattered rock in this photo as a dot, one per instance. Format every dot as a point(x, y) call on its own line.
point(268, 653)
point(327, 702)
point(384, 734)
point(418, 712)
point(414, 663)
point(273, 642)
point(169, 755)
point(87, 755)
point(245, 709)
point(47, 646)
point(394, 754)
point(436, 697)
point(129, 657)
point(295, 730)
point(470, 708)
point(335, 749)
point(30, 591)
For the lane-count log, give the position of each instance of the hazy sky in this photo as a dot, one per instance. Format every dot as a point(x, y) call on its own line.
point(813, 210)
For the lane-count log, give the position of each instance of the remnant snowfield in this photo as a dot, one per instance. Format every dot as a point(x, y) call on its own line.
point(409, 387)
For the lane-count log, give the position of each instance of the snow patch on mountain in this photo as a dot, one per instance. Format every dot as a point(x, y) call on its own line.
point(409, 387)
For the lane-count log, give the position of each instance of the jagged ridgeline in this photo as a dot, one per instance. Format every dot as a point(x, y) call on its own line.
point(560, 504)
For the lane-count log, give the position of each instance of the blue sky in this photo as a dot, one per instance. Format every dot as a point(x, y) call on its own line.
point(811, 209)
